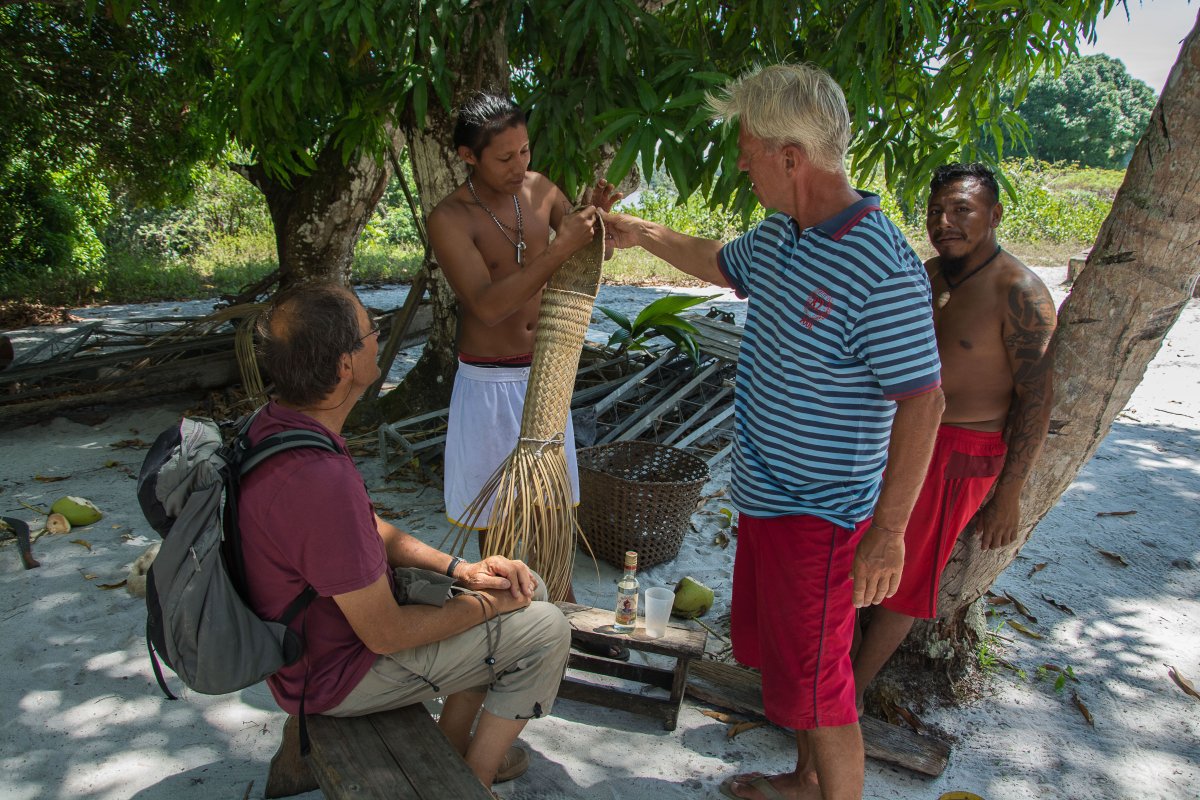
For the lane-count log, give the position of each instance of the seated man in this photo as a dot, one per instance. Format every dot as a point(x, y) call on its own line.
point(306, 520)
point(994, 318)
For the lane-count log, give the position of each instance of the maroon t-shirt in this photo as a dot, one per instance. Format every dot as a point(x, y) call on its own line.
point(306, 520)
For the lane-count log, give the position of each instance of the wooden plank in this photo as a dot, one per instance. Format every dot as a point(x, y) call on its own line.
point(583, 397)
point(720, 455)
point(56, 347)
point(644, 407)
point(216, 342)
point(698, 415)
point(669, 404)
point(596, 625)
point(740, 689)
point(584, 692)
point(717, 338)
point(641, 673)
point(426, 756)
point(398, 754)
point(632, 381)
point(174, 376)
point(349, 760)
point(697, 434)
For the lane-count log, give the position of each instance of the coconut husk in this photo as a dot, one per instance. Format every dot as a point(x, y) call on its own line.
point(533, 517)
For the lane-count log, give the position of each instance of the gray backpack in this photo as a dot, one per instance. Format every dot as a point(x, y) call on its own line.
point(197, 618)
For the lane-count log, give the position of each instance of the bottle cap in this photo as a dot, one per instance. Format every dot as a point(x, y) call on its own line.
point(630, 558)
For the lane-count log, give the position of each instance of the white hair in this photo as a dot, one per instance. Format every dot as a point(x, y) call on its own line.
point(798, 104)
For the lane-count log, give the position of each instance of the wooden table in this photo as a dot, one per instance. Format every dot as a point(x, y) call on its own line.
point(595, 626)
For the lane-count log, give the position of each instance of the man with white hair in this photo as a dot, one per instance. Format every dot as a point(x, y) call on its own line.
point(838, 377)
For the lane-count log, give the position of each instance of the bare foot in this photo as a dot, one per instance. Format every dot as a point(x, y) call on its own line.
point(787, 785)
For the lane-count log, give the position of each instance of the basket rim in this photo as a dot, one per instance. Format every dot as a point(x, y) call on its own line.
point(634, 444)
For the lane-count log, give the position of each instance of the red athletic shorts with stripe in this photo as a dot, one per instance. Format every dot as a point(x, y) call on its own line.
point(792, 616)
point(964, 466)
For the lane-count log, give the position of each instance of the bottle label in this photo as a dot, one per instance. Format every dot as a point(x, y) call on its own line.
point(627, 603)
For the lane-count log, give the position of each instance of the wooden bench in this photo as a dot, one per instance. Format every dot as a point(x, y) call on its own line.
point(595, 626)
point(392, 755)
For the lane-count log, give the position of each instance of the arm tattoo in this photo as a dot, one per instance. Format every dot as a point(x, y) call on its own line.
point(1031, 320)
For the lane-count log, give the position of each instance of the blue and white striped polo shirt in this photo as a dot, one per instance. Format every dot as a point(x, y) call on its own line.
point(838, 327)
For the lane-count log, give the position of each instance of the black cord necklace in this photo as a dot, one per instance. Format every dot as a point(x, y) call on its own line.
point(972, 273)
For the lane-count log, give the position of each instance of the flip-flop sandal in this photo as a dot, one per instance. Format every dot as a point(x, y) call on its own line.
point(515, 762)
point(614, 652)
point(757, 782)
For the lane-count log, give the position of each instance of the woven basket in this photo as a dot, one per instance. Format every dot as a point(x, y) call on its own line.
point(637, 496)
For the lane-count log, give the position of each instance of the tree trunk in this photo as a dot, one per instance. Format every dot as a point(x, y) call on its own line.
point(438, 171)
point(318, 219)
point(1140, 274)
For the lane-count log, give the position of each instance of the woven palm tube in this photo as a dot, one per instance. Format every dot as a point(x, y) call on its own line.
point(533, 516)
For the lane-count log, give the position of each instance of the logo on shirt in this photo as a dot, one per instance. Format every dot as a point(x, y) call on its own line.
point(816, 308)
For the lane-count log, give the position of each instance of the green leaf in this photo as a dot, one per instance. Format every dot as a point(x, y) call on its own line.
point(671, 304)
point(646, 96)
point(620, 338)
point(616, 316)
point(610, 131)
point(624, 159)
point(420, 100)
point(673, 323)
point(684, 342)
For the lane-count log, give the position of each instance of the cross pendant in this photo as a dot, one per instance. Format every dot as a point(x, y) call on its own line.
point(520, 252)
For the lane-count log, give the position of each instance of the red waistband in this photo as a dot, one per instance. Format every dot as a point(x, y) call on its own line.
point(519, 360)
point(948, 430)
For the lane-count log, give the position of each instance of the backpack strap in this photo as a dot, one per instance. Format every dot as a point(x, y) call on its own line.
point(158, 675)
point(297, 605)
point(242, 458)
point(251, 457)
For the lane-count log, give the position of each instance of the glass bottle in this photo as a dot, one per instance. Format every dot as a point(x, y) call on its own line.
point(627, 596)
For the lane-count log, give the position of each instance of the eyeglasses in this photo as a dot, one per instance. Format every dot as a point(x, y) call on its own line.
point(373, 332)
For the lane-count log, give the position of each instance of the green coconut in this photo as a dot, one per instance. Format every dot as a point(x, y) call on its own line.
point(79, 511)
point(692, 599)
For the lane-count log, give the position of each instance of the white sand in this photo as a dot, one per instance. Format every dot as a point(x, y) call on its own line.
point(86, 720)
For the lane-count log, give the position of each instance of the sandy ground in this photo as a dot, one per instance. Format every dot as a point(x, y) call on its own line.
point(86, 720)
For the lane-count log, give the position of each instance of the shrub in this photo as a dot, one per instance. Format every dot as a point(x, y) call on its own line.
point(1038, 214)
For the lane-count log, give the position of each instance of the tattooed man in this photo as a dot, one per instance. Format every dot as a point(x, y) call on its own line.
point(994, 318)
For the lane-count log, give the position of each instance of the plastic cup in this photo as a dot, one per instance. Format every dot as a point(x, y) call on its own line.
point(658, 609)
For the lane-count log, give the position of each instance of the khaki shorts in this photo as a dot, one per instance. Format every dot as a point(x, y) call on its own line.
point(529, 647)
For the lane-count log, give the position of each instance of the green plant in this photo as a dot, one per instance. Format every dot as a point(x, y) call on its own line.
point(1063, 674)
point(985, 650)
point(660, 318)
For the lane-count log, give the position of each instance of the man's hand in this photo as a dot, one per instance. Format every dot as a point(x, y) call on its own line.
point(604, 196)
point(577, 229)
point(998, 521)
point(499, 574)
point(622, 229)
point(878, 562)
point(500, 602)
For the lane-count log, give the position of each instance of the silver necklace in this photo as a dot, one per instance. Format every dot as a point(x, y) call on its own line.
point(519, 244)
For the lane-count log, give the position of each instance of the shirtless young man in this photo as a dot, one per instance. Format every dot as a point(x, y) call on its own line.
point(994, 318)
point(491, 237)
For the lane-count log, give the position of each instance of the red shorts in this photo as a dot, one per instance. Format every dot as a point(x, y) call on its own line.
point(964, 466)
point(792, 616)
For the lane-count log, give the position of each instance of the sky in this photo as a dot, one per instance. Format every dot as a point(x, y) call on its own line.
point(1149, 40)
